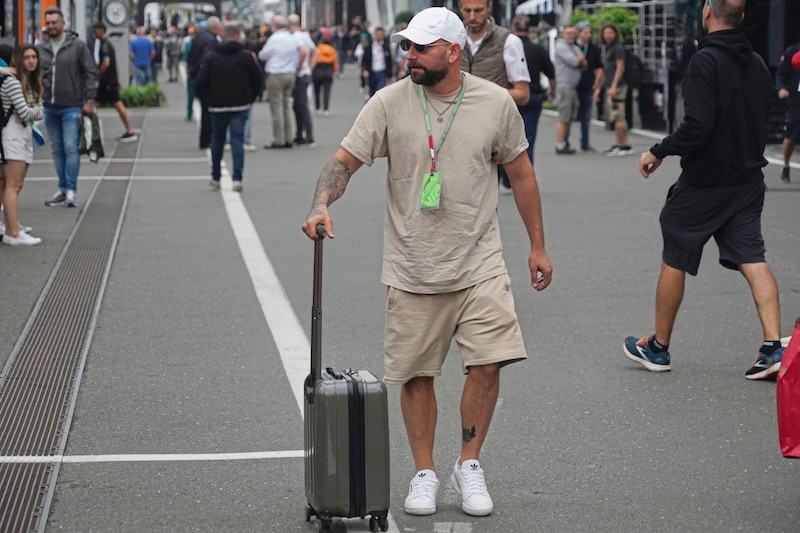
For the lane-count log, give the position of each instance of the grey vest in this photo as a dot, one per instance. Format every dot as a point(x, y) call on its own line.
point(488, 63)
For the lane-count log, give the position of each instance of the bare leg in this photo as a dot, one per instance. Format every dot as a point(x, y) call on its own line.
point(765, 294)
point(788, 150)
point(15, 173)
point(418, 404)
point(477, 407)
point(669, 295)
point(621, 129)
point(562, 130)
point(123, 115)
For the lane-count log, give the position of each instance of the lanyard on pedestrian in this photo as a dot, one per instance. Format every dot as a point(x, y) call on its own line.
point(432, 181)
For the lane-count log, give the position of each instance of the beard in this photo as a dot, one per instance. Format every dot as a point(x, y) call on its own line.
point(429, 77)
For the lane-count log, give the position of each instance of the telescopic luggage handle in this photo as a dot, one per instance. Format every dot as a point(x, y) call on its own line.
point(316, 316)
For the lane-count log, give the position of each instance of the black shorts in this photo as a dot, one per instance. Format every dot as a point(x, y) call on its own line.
point(107, 93)
point(732, 215)
point(793, 127)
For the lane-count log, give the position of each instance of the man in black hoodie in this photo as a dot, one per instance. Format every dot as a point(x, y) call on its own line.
point(230, 79)
point(720, 191)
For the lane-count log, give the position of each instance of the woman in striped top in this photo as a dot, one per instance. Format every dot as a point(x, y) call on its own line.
point(22, 97)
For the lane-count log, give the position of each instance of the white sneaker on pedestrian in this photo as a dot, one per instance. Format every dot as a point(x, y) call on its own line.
point(22, 239)
point(249, 148)
point(227, 147)
point(213, 183)
point(71, 201)
point(22, 227)
point(422, 491)
point(237, 186)
point(326, 113)
point(469, 482)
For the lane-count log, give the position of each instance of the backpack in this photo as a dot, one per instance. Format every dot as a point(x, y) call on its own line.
point(634, 69)
point(5, 116)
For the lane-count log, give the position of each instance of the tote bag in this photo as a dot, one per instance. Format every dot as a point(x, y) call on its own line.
point(788, 397)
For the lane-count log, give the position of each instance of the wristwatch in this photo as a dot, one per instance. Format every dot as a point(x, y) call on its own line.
point(116, 12)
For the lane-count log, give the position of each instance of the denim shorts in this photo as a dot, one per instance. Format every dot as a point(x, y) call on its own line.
point(730, 214)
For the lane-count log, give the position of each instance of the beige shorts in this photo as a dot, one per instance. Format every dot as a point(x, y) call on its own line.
point(615, 107)
point(419, 329)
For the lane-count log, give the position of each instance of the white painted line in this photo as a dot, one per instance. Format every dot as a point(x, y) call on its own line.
point(452, 527)
point(151, 457)
point(107, 160)
point(289, 335)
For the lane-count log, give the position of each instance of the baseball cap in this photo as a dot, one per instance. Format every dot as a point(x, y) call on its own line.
point(583, 25)
point(432, 24)
point(796, 61)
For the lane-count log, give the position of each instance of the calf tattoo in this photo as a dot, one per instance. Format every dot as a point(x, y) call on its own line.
point(468, 434)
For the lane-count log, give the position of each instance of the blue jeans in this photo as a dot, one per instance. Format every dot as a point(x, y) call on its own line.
point(377, 81)
point(585, 100)
point(62, 131)
point(220, 122)
point(530, 117)
point(142, 76)
point(248, 129)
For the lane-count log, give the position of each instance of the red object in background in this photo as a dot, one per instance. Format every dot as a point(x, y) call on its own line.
point(788, 395)
point(796, 61)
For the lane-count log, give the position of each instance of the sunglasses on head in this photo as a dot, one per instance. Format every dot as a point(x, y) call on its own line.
point(406, 45)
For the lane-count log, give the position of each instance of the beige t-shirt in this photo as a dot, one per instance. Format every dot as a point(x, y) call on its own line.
point(457, 245)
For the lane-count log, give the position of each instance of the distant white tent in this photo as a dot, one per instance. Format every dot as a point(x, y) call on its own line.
point(537, 7)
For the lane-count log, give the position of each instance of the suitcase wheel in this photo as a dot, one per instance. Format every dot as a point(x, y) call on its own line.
point(324, 525)
point(376, 523)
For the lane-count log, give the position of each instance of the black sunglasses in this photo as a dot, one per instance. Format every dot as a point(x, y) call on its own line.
point(406, 45)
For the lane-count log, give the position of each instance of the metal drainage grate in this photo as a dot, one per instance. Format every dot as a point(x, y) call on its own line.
point(39, 383)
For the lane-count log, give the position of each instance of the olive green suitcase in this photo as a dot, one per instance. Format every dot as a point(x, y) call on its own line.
point(346, 434)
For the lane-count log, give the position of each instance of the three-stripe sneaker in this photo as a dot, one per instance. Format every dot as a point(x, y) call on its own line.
point(641, 351)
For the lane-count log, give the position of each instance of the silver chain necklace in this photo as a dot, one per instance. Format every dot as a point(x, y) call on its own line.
point(440, 118)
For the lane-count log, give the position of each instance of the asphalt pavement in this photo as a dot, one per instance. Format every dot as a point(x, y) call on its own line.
point(187, 418)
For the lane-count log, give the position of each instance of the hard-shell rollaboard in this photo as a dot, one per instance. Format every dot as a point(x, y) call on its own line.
point(346, 433)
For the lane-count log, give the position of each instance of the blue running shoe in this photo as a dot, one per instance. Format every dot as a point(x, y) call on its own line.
point(639, 350)
point(766, 365)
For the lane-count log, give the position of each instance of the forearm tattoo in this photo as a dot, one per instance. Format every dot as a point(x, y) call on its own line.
point(331, 184)
point(468, 434)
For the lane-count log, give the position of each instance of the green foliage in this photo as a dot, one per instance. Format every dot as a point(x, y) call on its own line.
point(626, 20)
point(150, 95)
point(403, 16)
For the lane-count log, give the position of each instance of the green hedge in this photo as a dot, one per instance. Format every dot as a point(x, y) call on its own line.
point(150, 95)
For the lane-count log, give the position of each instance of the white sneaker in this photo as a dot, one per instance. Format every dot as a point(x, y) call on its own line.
point(22, 227)
point(469, 482)
point(22, 239)
point(71, 201)
point(237, 186)
point(422, 491)
point(227, 147)
point(249, 148)
point(325, 114)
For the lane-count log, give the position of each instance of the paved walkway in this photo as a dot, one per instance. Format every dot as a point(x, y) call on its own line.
point(188, 418)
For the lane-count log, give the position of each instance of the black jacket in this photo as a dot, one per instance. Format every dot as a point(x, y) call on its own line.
point(788, 78)
point(229, 77)
point(726, 91)
point(201, 43)
point(366, 59)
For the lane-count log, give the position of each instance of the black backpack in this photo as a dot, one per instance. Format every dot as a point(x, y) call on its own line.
point(5, 116)
point(634, 69)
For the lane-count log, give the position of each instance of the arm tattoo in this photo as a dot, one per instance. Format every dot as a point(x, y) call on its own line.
point(332, 183)
point(468, 434)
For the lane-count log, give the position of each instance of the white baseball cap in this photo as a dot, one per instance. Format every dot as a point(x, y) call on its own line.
point(432, 24)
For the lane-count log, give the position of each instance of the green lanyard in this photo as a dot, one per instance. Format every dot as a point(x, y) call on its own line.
point(424, 100)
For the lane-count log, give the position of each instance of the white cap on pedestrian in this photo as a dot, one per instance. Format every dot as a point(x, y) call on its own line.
point(432, 24)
